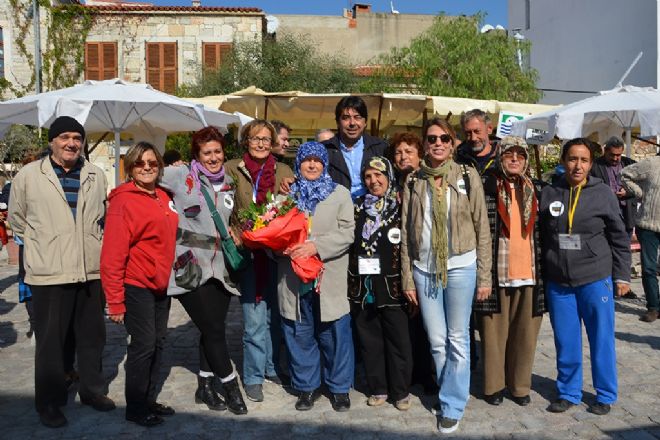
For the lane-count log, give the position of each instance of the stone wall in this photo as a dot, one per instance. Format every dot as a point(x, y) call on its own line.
point(132, 31)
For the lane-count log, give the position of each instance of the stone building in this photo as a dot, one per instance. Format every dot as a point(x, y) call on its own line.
point(165, 46)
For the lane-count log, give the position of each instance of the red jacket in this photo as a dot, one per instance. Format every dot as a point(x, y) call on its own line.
point(138, 244)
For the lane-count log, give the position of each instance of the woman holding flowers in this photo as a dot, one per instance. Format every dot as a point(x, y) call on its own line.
point(315, 316)
point(201, 279)
point(256, 175)
point(445, 251)
point(378, 306)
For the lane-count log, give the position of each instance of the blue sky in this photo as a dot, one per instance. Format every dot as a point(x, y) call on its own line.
point(496, 9)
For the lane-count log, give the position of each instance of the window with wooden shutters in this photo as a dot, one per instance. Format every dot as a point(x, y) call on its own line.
point(101, 61)
point(214, 54)
point(162, 66)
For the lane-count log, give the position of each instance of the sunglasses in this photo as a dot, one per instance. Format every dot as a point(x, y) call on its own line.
point(432, 138)
point(142, 163)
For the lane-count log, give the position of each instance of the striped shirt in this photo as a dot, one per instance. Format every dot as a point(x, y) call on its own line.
point(70, 181)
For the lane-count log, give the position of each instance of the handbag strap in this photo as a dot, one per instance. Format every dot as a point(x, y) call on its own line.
point(214, 214)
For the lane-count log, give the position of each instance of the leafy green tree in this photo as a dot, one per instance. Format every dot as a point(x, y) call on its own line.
point(291, 62)
point(452, 58)
point(19, 142)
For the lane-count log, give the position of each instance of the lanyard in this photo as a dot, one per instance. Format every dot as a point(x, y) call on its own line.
point(256, 185)
point(490, 162)
point(572, 205)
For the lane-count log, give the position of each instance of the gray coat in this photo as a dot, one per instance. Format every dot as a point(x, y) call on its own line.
point(208, 252)
point(333, 226)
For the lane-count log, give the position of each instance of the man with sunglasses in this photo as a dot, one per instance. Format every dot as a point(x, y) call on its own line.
point(57, 207)
point(477, 149)
point(351, 149)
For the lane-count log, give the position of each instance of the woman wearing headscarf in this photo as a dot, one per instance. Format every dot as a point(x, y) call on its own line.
point(445, 251)
point(315, 316)
point(378, 306)
point(201, 279)
point(586, 259)
point(136, 260)
point(256, 174)
point(511, 316)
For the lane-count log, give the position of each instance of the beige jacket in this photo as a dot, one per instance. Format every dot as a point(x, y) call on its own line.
point(333, 226)
point(643, 180)
point(58, 250)
point(468, 217)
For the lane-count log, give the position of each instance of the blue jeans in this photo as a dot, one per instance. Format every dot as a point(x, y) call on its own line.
point(592, 304)
point(649, 242)
point(312, 344)
point(446, 314)
point(261, 329)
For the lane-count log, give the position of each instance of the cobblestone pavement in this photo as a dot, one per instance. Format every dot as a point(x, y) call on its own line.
point(636, 416)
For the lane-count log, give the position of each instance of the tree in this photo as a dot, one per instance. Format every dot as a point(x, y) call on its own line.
point(289, 63)
point(452, 58)
point(19, 142)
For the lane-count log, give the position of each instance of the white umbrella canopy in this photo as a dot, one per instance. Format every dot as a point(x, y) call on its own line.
point(117, 106)
point(608, 113)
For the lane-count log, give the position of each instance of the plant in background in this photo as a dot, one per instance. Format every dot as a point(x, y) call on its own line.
point(18, 142)
point(452, 58)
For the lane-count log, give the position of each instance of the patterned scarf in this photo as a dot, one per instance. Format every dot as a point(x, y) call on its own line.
point(439, 224)
point(307, 193)
point(380, 211)
point(263, 175)
point(529, 202)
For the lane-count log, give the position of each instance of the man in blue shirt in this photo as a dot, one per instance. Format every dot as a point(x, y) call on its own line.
point(350, 148)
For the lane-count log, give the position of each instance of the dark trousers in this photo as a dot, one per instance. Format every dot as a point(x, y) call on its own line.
point(207, 306)
point(319, 349)
point(422, 362)
point(385, 348)
point(650, 242)
point(57, 308)
point(146, 322)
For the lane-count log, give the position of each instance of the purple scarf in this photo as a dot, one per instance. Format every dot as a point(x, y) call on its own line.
point(214, 178)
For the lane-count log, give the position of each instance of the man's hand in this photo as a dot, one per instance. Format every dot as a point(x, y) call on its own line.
point(483, 293)
point(285, 185)
point(302, 250)
point(118, 318)
point(622, 289)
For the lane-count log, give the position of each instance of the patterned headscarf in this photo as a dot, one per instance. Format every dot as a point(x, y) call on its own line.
point(504, 193)
point(381, 211)
point(307, 193)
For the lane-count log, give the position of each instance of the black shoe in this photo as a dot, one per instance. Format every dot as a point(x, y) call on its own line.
point(306, 400)
point(447, 425)
point(340, 402)
point(234, 398)
point(522, 401)
point(560, 406)
point(254, 392)
point(52, 417)
point(147, 420)
point(161, 410)
point(206, 394)
point(600, 409)
point(494, 399)
point(98, 402)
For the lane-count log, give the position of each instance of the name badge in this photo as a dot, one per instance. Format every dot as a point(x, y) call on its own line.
point(570, 242)
point(368, 266)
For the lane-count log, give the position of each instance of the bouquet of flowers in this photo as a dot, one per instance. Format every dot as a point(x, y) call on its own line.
point(278, 225)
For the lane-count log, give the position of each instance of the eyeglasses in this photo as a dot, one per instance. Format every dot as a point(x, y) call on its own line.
point(432, 138)
point(266, 141)
point(509, 154)
point(142, 163)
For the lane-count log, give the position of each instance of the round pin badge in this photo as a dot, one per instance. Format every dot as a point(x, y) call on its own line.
point(172, 207)
point(460, 183)
point(394, 235)
point(228, 201)
point(556, 208)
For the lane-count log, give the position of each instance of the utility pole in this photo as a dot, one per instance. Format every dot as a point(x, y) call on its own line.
point(37, 46)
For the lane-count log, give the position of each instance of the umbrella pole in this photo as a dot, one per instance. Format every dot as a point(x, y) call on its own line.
point(628, 142)
point(117, 157)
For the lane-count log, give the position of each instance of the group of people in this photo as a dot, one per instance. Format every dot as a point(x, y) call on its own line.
point(454, 232)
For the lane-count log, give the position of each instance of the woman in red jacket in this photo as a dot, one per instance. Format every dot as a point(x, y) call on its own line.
point(136, 261)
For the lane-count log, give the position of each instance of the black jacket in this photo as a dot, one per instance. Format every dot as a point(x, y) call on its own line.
point(599, 170)
point(338, 169)
point(605, 245)
point(464, 156)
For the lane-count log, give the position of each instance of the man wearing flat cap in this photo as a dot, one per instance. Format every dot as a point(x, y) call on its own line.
point(57, 207)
